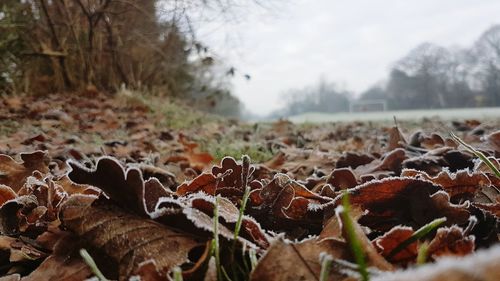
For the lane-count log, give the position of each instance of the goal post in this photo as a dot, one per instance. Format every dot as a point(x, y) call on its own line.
point(368, 105)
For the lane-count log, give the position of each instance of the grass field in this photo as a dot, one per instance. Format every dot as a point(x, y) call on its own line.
point(446, 114)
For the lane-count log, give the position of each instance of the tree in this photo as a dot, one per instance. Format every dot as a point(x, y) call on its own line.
point(322, 97)
point(69, 45)
point(486, 52)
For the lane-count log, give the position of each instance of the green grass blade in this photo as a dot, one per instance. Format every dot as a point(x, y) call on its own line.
point(478, 154)
point(253, 258)
point(91, 263)
point(246, 195)
point(423, 252)
point(215, 241)
point(177, 273)
point(354, 244)
point(326, 265)
point(423, 231)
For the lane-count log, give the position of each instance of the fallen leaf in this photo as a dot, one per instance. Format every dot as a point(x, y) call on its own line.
point(13, 174)
point(128, 239)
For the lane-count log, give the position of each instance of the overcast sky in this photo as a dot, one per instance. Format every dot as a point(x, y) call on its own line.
point(351, 42)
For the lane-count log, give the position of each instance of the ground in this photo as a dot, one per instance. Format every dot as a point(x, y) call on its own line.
point(132, 177)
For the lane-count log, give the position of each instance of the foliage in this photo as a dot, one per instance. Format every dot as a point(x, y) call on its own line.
point(89, 46)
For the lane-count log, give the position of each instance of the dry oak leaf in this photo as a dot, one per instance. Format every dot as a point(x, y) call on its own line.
point(396, 139)
point(225, 180)
point(286, 260)
point(20, 251)
point(421, 140)
point(284, 200)
point(406, 201)
point(233, 179)
point(11, 277)
point(64, 263)
point(48, 194)
point(126, 187)
point(194, 214)
point(229, 213)
point(14, 211)
point(390, 164)
point(491, 208)
point(197, 160)
point(14, 174)
point(494, 140)
point(205, 182)
point(461, 185)
point(451, 241)
point(342, 178)
point(353, 160)
point(483, 266)
point(392, 239)
point(6, 194)
point(126, 238)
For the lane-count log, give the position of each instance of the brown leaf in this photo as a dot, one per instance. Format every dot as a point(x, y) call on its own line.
point(64, 263)
point(391, 164)
point(298, 261)
point(225, 180)
point(11, 277)
point(205, 182)
point(6, 194)
point(125, 187)
point(353, 160)
point(396, 139)
point(14, 174)
point(228, 213)
point(406, 201)
point(13, 211)
point(494, 140)
point(461, 185)
point(491, 208)
point(284, 200)
point(198, 160)
point(451, 241)
point(128, 239)
point(481, 266)
point(342, 178)
point(392, 239)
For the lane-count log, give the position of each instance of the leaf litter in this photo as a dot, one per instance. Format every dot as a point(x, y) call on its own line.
point(142, 199)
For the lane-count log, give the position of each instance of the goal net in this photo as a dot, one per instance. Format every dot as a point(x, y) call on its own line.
point(368, 105)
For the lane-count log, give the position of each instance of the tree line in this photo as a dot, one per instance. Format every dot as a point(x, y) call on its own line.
point(71, 45)
point(428, 77)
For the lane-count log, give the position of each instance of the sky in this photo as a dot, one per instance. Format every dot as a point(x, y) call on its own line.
point(293, 44)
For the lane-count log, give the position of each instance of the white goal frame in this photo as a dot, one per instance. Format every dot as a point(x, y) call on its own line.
point(354, 106)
